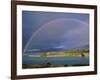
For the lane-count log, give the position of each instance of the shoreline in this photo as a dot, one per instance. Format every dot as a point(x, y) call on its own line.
point(48, 65)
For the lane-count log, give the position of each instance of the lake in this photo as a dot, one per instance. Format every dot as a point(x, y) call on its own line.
point(56, 60)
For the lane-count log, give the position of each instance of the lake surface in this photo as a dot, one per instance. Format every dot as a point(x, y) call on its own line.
point(55, 60)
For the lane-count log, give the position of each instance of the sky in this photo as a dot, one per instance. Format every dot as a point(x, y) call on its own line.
point(43, 30)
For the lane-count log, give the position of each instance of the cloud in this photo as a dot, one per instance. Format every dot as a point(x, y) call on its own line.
point(60, 32)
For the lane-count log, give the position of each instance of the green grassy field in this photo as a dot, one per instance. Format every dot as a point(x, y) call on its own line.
point(72, 52)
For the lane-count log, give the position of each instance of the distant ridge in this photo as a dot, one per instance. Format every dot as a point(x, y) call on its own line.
point(84, 46)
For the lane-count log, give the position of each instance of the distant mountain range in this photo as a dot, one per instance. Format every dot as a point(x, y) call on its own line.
point(85, 46)
point(54, 49)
